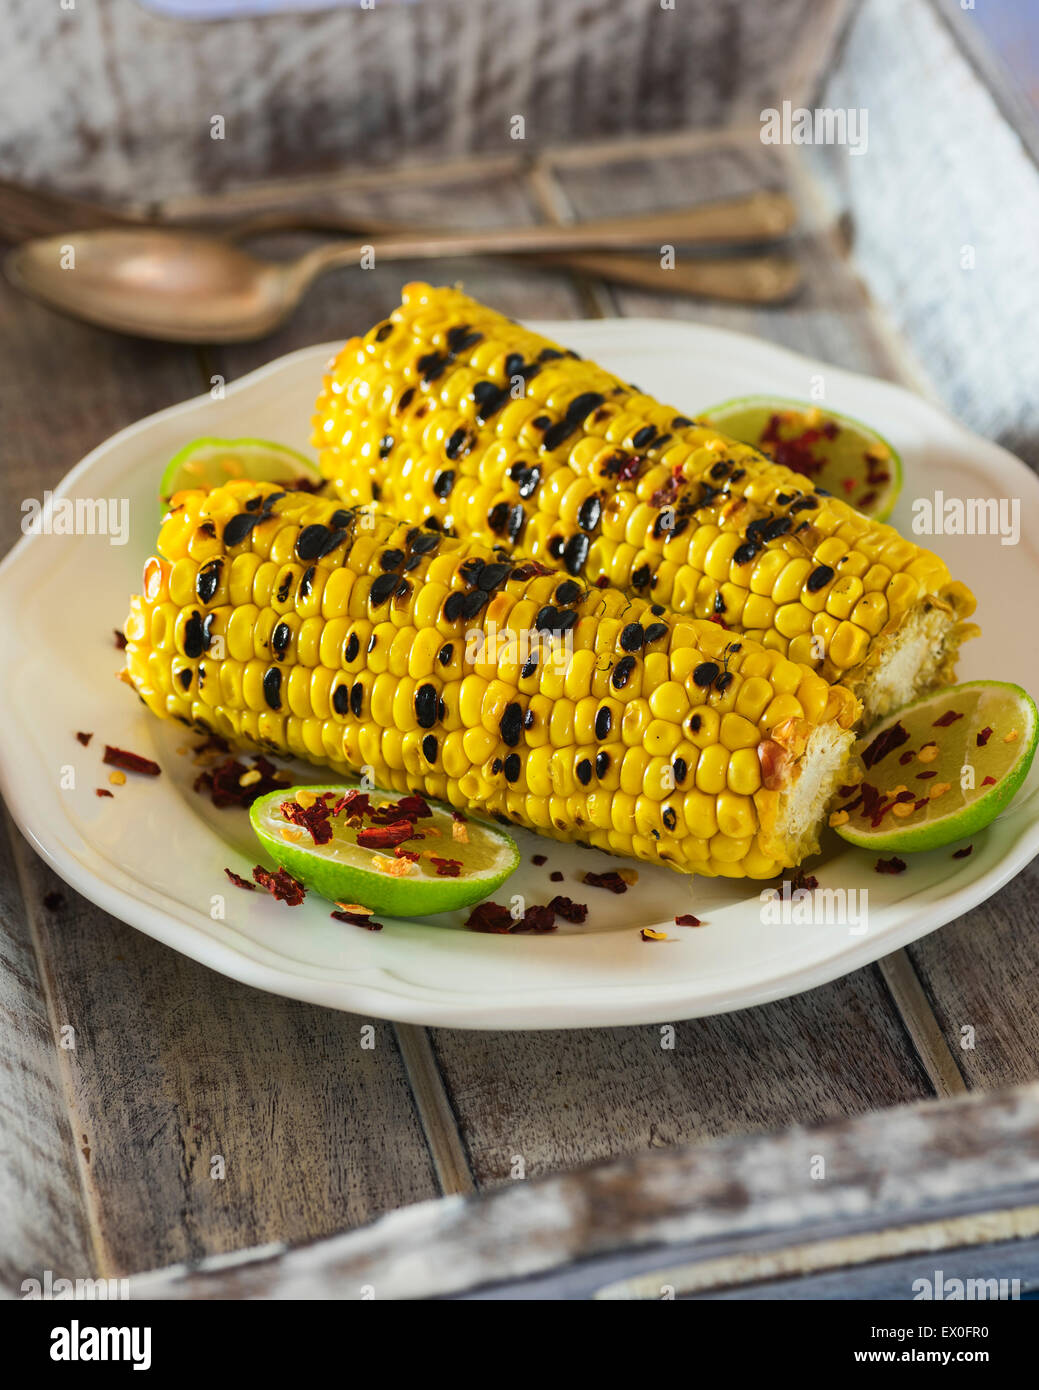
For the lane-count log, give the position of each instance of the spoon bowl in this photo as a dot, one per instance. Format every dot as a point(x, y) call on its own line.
point(154, 283)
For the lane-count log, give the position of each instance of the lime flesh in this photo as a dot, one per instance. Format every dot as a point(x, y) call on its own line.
point(834, 452)
point(961, 771)
point(211, 462)
point(345, 872)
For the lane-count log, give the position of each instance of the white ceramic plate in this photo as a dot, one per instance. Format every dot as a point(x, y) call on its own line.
point(154, 854)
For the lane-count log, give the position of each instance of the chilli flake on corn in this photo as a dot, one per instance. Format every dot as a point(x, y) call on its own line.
point(448, 409)
point(356, 640)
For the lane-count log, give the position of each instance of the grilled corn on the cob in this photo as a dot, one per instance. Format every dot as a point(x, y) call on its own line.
point(448, 409)
point(286, 621)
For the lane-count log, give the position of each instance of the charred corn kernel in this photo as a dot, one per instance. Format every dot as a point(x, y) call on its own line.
point(642, 734)
point(585, 470)
point(703, 726)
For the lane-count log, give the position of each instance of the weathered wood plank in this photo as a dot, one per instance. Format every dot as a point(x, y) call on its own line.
point(979, 973)
point(65, 388)
point(177, 1068)
point(41, 1199)
point(830, 317)
point(923, 1180)
point(538, 1102)
point(115, 100)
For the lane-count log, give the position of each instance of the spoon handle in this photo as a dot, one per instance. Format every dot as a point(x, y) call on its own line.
point(742, 279)
point(753, 218)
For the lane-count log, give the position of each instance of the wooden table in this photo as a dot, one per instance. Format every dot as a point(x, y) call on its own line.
point(107, 1156)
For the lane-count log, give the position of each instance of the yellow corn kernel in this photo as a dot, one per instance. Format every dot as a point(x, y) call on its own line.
point(712, 768)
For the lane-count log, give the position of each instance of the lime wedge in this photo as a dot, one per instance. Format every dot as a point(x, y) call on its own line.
point(211, 462)
point(347, 872)
point(836, 453)
point(940, 769)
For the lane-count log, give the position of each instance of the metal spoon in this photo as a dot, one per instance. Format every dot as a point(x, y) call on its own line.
point(188, 287)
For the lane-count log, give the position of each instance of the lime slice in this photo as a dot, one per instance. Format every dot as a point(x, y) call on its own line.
point(211, 462)
point(836, 453)
point(952, 760)
point(350, 873)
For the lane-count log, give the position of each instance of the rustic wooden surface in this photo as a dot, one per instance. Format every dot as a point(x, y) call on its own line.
point(863, 1206)
point(106, 1160)
point(126, 105)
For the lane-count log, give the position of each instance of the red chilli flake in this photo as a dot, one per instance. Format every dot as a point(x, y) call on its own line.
point(949, 717)
point(490, 917)
point(538, 920)
point(313, 818)
point(799, 879)
point(407, 854)
point(130, 762)
point(555, 876)
point(923, 776)
point(120, 639)
point(446, 868)
point(568, 909)
point(539, 859)
point(222, 782)
point(386, 836)
point(354, 803)
point(413, 808)
point(963, 853)
point(102, 791)
point(280, 885)
point(688, 920)
point(610, 880)
point(989, 782)
point(885, 743)
point(602, 582)
point(906, 757)
point(357, 919)
point(530, 569)
point(240, 882)
point(85, 739)
point(890, 866)
point(629, 468)
point(981, 739)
